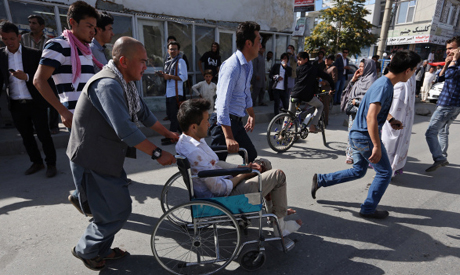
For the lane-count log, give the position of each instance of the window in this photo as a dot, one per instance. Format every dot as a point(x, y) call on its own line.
point(2, 10)
point(20, 11)
point(122, 26)
point(406, 12)
point(183, 34)
point(151, 33)
point(204, 37)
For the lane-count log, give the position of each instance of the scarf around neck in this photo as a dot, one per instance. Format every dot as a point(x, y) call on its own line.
point(170, 64)
point(76, 45)
point(130, 91)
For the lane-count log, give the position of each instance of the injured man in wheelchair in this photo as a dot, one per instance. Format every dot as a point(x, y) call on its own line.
point(193, 119)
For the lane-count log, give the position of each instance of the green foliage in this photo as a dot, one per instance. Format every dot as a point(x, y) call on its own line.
point(343, 26)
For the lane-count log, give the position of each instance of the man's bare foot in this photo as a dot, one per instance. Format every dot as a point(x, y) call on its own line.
point(313, 129)
point(291, 211)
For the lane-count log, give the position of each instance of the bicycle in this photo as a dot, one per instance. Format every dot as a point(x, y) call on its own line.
point(286, 128)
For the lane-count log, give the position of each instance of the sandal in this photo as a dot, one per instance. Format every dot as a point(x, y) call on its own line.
point(349, 161)
point(95, 264)
point(117, 254)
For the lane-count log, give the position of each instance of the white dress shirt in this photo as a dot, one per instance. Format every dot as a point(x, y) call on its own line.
point(171, 84)
point(280, 84)
point(18, 87)
point(202, 157)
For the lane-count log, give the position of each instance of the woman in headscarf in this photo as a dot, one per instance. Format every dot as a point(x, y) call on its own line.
point(354, 93)
point(397, 142)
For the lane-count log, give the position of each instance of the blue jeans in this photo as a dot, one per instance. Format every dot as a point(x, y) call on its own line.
point(339, 85)
point(362, 150)
point(438, 131)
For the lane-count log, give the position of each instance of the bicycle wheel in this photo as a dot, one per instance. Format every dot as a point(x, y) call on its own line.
point(282, 132)
point(322, 126)
point(174, 193)
point(194, 248)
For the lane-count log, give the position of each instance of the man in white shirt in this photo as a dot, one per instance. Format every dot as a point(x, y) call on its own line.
point(28, 108)
point(193, 119)
point(175, 73)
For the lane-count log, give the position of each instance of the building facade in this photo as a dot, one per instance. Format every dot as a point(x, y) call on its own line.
point(195, 24)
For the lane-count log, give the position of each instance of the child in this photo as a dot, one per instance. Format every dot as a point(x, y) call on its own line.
point(427, 83)
point(206, 89)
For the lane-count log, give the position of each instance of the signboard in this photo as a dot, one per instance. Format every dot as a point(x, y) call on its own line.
point(416, 39)
point(304, 5)
point(300, 27)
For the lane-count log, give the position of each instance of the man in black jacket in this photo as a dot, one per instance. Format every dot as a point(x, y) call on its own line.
point(28, 108)
point(306, 86)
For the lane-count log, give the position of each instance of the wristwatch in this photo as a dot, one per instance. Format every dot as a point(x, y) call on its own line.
point(391, 119)
point(156, 153)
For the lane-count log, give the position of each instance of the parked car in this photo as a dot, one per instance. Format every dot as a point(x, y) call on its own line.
point(435, 91)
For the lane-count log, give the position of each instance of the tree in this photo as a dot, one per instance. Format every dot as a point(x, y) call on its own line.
point(343, 26)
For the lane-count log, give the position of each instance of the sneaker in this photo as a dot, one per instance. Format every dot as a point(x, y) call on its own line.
point(74, 201)
point(436, 165)
point(378, 214)
point(314, 186)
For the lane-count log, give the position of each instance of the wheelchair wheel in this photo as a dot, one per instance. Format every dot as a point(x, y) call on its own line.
point(252, 260)
point(282, 132)
point(194, 248)
point(174, 193)
point(322, 126)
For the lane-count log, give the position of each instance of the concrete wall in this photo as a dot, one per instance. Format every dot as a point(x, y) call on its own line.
point(272, 15)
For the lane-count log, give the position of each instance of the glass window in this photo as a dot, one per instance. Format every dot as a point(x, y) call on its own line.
point(280, 46)
point(63, 18)
point(204, 37)
point(402, 12)
point(122, 26)
point(183, 34)
point(2, 10)
point(151, 34)
point(226, 45)
point(20, 11)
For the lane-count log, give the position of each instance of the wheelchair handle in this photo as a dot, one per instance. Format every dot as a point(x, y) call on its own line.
point(223, 149)
point(224, 172)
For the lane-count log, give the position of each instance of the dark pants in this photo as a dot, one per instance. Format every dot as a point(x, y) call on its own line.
point(239, 133)
point(257, 92)
point(27, 116)
point(53, 118)
point(171, 110)
point(339, 85)
point(282, 96)
point(418, 86)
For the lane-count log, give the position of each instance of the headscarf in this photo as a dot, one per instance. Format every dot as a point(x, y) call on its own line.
point(130, 90)
point(76, 45)
point(363, 83)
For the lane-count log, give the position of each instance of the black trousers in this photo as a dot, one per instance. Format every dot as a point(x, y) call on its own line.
point(27, 116)
point(171, 110)
point(239, 133)
point(283, 96)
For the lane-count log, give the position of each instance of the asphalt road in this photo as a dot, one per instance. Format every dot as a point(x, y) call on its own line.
point(38, 226)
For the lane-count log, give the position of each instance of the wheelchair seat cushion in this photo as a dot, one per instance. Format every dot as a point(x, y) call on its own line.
point(239, 204)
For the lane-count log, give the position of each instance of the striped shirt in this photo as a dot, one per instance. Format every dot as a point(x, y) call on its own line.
point(56, 54)
point(28, 41)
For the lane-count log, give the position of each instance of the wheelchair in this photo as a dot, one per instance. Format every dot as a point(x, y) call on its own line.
point(203, 236)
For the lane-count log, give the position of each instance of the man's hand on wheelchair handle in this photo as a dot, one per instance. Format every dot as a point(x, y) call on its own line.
point(166, 158)
point(232, 145)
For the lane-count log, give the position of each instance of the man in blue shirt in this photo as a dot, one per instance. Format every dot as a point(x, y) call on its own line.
point(448, 107)
point(234, 96)
point(104, 34)
point(365, 136)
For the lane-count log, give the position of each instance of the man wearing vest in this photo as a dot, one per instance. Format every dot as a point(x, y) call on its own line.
point(104, 125)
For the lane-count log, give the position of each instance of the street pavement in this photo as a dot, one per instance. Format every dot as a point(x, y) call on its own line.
point(38, 226)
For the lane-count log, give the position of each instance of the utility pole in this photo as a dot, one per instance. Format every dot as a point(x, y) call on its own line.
point(385, 27)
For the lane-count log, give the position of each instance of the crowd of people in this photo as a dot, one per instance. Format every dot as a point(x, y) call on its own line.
point(99, 103)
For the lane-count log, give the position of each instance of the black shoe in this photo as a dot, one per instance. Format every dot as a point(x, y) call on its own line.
point(314, 186)
point(34, 168)
point(436, 165)
point(378, 214)
point(74, 201)
point(51, 171)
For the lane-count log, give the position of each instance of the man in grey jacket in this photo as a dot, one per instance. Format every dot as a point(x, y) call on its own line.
point(104, 126)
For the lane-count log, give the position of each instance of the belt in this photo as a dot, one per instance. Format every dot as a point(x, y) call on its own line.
point(236, 118)
point(22, 101)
